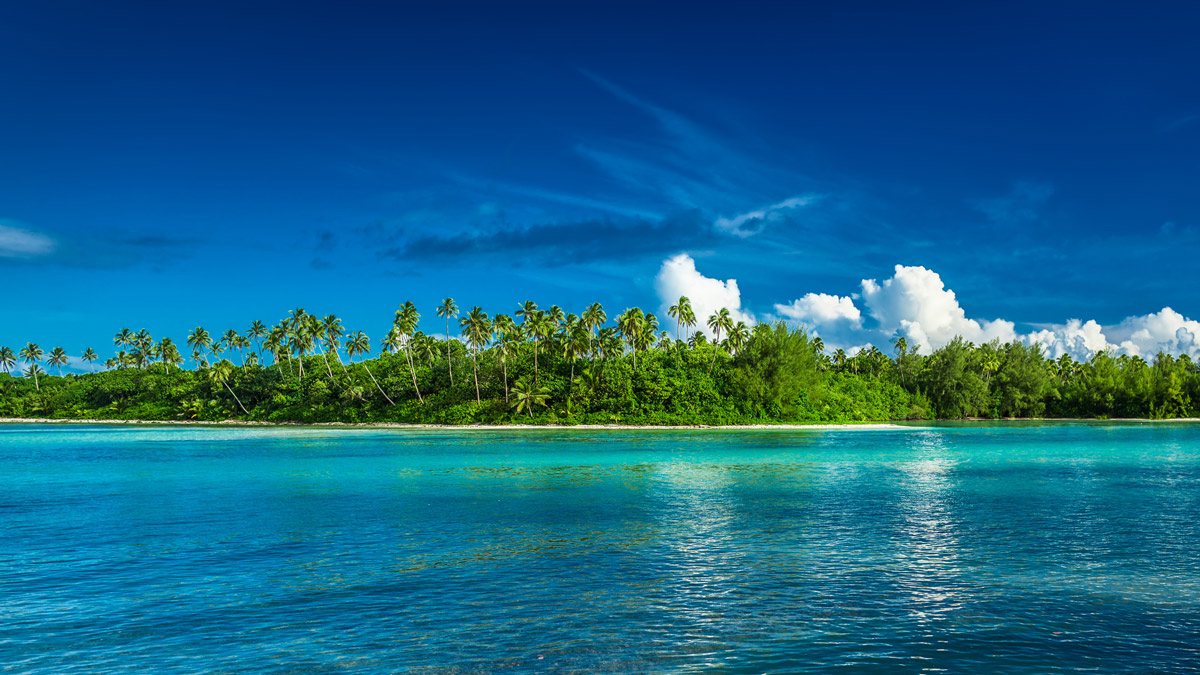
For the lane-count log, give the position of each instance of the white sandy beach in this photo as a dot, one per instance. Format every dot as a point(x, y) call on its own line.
point(484, 427)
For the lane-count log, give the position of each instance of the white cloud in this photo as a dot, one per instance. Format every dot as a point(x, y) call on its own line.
point(18, 242)
point(1166, 330)
point(752, 222)
point(678, 276)
point(915, 303)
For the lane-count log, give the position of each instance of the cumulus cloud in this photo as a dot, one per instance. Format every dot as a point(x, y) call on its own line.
point(915, 303)
point(834, 318)
point(752, 222)
point(1077, 339)
point(19, 242)
point(678, 276)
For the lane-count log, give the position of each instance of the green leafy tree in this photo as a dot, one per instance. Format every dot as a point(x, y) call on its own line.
point(527, 394)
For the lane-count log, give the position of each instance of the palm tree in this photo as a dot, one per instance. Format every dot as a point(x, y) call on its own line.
point(593, 318)
point(679, 311)
point(34, 370)
point(199, 340)
point(32, 354)
point(405, 323)
point(298, 338)
point(232, 341)
point(257, 331)
point(124, 338)
point(220, 373)
point(90, 356)
point(527, 395)
point(504, 326)
point(7, 359)
point(540, 327)
point(448, 310)
point(630, 325)
point(720, 320)
point(58, 358)
point(738, 336)
point(527, 310)
point(144, 344)
point(169, 354)
point(478, 330)
point(577, 343)
point(358, 343)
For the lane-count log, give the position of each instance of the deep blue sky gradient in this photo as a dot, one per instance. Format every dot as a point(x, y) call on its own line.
point(215, 163)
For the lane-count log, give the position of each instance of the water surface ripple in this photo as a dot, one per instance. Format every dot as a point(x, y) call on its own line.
point(1003, 549)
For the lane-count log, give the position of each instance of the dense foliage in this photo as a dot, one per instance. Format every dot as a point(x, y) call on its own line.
point(552, 368)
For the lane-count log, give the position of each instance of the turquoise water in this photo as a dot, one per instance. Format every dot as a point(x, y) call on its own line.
point(1006, 549)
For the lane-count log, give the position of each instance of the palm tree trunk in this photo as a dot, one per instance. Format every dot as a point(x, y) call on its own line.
point(389, 398)
point(716, 339)
point(475, 367)
point(535, 363)
point(235, 397)
point(413, 370)
point(504, 367)
point(449, 368)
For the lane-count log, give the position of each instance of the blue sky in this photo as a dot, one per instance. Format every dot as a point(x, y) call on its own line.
point(164, 167)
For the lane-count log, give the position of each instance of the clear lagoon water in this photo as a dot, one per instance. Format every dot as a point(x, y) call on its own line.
point(1029, 548)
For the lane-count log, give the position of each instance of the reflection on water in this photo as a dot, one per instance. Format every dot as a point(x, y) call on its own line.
point(1030, 548)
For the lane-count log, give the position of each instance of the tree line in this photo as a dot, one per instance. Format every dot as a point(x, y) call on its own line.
point(549, 366)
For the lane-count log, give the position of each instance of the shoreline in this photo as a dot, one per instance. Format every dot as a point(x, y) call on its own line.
point(865, 426)
point(443, 427)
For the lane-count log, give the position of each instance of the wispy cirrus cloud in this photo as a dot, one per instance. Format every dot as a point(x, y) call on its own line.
point(18, 240)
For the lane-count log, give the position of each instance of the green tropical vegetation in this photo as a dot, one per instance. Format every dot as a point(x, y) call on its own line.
point(546, 366)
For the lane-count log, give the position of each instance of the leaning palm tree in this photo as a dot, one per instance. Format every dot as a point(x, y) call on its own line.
point(34, 371)
point(32, 354)
point(7, 359)
point(477, 330)
point(57, 359)
point(358, 343)
point(219, 373)
point(448, 310)
point(90, 356)
point(720, 320)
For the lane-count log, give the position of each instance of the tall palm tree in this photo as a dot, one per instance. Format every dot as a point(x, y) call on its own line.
point(32, 354)
point(540, 327)
point(720, 320)
point(358, 343)
point(593, 318)
point(90, 356)
point(407, 318)
point(144, 344)
point(7, 359)
point(58, 358)
point(504, 326)
point(168, 353)
point(257, 332)
point(298, 338)
point(232, 341)
point(34, 371)
point(477, 330)
point(448, 310)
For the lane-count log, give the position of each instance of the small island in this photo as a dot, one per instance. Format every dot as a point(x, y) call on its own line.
point(549, 367)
